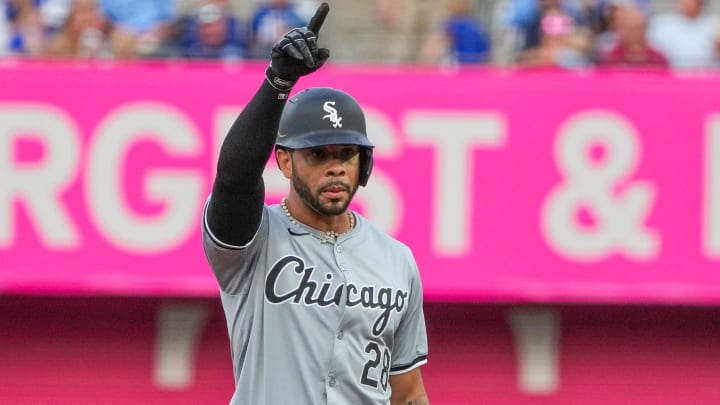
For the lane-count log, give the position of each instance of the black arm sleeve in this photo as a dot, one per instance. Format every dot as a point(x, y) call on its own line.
point(235, 208)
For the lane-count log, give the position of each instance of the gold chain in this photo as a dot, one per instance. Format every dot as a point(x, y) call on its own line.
point(328, 236)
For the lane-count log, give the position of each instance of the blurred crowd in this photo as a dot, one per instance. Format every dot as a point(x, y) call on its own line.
point(530, 33)
point(131, 29)
point(611, 33)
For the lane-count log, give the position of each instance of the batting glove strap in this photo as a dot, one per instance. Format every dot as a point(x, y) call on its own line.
point(277, 82)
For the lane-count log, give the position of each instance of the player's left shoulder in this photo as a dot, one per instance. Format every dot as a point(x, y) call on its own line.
point(383, 240)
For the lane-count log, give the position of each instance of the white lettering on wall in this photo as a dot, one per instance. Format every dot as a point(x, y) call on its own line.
point(454, 138)
point(711, 201)
point(38, 186)
point(177, 190)
point(382, 198)
point(589, 185)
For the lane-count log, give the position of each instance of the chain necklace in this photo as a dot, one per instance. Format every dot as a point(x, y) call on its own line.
point(328, 236)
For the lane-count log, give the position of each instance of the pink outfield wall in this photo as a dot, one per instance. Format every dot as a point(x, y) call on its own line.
point(535, 186)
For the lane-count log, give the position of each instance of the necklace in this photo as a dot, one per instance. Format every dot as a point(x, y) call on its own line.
point(328, 236)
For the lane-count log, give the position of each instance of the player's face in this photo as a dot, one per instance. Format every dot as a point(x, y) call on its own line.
point(326, 177)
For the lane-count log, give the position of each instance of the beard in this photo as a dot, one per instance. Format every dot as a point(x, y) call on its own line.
point(312, 200)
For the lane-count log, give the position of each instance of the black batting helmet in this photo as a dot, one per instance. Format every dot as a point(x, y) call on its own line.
point(322, 116)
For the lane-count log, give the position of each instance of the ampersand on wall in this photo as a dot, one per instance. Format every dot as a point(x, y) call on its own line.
point(596, 211)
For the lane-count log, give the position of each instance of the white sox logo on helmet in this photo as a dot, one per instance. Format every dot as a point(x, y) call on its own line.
point(332, 114)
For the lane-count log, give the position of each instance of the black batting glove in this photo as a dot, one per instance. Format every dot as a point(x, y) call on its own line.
point(297, 54)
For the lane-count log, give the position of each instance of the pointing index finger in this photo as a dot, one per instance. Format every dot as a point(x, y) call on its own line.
point(319, 18)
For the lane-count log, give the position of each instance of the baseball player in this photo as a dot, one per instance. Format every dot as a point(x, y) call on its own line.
point(321, 306)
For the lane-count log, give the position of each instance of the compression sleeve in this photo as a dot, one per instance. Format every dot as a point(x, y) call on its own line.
point(234, 211)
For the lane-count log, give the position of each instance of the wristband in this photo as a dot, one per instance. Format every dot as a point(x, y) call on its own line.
point(280, 84)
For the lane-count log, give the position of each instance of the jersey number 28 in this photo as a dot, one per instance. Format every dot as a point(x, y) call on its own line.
point(378, 356)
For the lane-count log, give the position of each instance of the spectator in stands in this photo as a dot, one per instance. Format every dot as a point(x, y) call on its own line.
point(524, 17)
point(53, 14)
point(272, 19)
point(631, 47)
point(213, 32)
point(605, 36)
point(561, 44)
point(84, 33)
point(688, 36)
point(27, 30)
point(35, 23)
point(599, 12)
point(140, 28)
point(460, 39)
point(5, 29)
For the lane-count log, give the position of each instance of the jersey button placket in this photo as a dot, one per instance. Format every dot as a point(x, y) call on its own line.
point(337, 362)
point(339, 249)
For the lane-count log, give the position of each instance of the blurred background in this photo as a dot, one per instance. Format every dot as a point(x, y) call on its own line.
point(553, 164)
point(566, 33)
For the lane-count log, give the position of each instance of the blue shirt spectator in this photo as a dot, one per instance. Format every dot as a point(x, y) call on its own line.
point(469, 42)
point(5, 31)
point(270, 21)
point(212, 32)
point(33, 22)
point(140, 27)
point(139, 16)
point(458, 39)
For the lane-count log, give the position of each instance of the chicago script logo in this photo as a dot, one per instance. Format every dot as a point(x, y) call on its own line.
point(305, 291)
point(332, 114)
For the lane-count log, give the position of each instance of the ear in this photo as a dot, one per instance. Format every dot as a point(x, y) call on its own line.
point(283, 157)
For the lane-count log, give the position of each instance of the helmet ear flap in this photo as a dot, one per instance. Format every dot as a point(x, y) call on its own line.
point(366, 166)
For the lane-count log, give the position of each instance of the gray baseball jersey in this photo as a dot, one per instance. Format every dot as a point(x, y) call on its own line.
point(318, 323)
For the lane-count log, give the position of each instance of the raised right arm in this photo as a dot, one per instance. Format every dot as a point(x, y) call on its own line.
point(235, 207)
point(234, 211)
